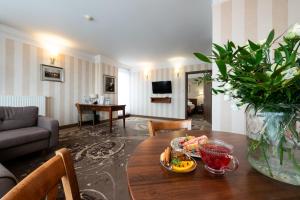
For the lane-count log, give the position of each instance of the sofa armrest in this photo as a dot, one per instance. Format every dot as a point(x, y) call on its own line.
point(52, 126)
point(7, 180)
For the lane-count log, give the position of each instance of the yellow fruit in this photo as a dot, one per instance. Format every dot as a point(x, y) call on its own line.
point(183, 166)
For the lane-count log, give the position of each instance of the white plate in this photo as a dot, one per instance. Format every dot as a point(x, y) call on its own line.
point(177, 147)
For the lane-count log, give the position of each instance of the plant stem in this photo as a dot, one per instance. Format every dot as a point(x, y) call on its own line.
point(296, 164)
point(266, 157)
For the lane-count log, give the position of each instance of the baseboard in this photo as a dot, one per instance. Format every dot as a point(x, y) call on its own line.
point(90, 122)
point(153, 117)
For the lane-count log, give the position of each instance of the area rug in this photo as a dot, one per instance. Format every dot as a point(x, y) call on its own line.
point(100, 157)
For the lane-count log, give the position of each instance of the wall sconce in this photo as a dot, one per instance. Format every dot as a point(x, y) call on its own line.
point(53, 44)
point(146, 74)
point(53, 53)
point(177, 71)
point(177, 62)
point(52, 60)
point(147, 67)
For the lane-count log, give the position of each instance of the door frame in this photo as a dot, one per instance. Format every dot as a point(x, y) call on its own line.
point(186, 86)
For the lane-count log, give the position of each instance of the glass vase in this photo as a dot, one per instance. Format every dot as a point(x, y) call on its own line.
point(274, 142)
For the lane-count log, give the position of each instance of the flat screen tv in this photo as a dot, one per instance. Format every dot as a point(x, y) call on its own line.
point(162, 87)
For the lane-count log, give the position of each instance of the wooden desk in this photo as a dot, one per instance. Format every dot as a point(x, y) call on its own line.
point(103, 108)
point(147, 180)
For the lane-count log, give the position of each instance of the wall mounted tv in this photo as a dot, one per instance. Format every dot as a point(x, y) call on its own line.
point(162, 87)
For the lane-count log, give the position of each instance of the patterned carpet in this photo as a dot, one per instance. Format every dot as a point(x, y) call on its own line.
point(100, 157)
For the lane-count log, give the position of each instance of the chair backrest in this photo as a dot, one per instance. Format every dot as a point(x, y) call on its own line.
point(155, 126)
point(43, 182)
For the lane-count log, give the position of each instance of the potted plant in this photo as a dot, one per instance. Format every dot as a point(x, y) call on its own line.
point(265, 78)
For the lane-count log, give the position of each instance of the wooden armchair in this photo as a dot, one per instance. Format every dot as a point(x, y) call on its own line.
point(155, 126)
point(43, 182)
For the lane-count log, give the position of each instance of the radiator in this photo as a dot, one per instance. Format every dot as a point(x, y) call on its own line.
point(20, 101)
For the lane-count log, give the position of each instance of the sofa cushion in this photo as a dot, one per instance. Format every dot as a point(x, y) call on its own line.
point(21, 136)
point(17, 117)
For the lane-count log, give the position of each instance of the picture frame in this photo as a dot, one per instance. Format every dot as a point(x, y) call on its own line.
point(52, 73)
point(109, 84)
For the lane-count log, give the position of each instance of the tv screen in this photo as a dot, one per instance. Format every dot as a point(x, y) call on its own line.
point(162, 87)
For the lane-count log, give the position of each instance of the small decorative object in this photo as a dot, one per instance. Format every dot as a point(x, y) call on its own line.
point(107, 101)
point(270, 86)
point(101, 100)
point(109, 84)
point(93, 98)
point(86, 99)
point(52, 73)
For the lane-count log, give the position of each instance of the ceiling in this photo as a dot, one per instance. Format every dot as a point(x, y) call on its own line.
point(129, 31)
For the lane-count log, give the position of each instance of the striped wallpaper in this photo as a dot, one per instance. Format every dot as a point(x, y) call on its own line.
point(141, 92)
point(240, 20)
point(105, 68)
point(20, 76)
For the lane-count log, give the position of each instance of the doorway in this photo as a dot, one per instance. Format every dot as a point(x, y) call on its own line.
point(198, 96)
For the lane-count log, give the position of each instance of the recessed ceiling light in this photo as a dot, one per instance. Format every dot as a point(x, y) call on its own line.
point(88, 17)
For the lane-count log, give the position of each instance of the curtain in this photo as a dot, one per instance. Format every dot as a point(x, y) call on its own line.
point(123, 88)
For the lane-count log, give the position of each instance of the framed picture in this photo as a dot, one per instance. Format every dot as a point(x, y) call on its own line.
point(52, 73)
point(109, 84)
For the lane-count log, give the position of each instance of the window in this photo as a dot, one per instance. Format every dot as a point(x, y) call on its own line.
point(123, 88)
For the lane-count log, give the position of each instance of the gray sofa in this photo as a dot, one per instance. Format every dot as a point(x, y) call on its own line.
point(22, 131)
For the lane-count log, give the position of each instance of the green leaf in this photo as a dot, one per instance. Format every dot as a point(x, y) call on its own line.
point(289, 94)
point(244, 52)
point(261, 76)
point(270, 37)
point(230, 46)
point(230, 43)
point(202, 57)
point(222, 68)
point(286, 51)
point(278, 71)
point(292, 59)
point(253, 46)
point(216, 91)
point(215, 53)
point(258, 56)
point(248, 79)
point(277, 56)
point(220, 49)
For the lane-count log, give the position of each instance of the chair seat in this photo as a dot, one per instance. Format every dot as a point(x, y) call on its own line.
point(21, 136)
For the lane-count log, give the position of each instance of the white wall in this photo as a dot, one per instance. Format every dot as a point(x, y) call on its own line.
point(20, 59)
point(141, 92)
point(240, 20)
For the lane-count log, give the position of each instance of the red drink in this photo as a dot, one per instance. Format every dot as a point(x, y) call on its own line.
point(216, 155)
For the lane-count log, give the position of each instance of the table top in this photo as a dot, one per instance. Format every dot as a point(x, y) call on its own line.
point(147, 179)
point(99, 105)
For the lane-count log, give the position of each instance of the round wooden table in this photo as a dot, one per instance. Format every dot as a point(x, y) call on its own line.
point(147, 179)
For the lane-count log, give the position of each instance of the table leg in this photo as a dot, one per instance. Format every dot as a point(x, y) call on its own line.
point(124, 118)
point(80, 121)
point(94, 117)
point(110, 120)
